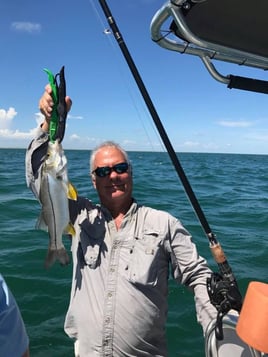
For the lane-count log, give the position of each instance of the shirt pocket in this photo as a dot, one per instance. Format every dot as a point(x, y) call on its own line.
point(145, 259)
point(91, 242)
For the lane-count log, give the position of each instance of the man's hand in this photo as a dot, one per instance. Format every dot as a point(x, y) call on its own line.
point(46, 106)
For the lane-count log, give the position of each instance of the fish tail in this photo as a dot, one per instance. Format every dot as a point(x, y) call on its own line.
point(63, 256)
point(60, 254)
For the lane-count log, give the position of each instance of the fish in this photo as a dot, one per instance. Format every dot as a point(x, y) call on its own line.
point(55, 192)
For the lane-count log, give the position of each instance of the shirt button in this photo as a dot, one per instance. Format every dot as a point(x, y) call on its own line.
point(110, 294)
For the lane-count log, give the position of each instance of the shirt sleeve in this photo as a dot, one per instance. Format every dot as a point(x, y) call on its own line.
point(190, 269)
point(35, 156)
point(13, 337)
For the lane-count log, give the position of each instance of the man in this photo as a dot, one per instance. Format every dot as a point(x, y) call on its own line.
point(122, 256)
point(13, 337)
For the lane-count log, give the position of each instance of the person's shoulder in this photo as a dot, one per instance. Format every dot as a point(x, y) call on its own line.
point(84, 202)
point(81, 204)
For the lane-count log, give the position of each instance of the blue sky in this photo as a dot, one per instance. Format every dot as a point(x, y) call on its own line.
point(198, 113)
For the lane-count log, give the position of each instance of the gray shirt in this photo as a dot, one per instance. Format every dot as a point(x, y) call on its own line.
point(118, 304)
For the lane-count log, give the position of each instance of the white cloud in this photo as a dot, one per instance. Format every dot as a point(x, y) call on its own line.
point(127, 142)
point(235, 124)
point(258, 137)
point(6, 117)
point(28, 27)
point(77, 117)
point(39, 118)
point(74, 137)
point(14, 135)
point(191, 144)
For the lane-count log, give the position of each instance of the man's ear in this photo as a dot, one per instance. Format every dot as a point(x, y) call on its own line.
point(130, 170)
point(93, 179)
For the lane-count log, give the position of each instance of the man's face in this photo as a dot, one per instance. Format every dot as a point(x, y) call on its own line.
point(113, 188)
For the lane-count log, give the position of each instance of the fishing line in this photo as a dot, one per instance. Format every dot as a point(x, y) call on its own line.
point(157, 121)
point(130, 91)
point(222, 288)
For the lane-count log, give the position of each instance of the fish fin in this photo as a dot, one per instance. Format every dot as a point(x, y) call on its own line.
point(70, 229)
point(72, 192)
point(60, 254)
point(41, 224)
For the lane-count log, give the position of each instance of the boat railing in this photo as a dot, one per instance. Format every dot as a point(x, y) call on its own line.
point(181, 36)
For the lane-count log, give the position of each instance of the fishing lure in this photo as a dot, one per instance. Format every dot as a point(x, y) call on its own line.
point(59, 112)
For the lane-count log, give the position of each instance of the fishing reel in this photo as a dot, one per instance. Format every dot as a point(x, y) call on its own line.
point(225, 296)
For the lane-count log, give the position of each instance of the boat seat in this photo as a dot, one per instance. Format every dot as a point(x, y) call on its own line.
point(225, 30)
point(231, 345)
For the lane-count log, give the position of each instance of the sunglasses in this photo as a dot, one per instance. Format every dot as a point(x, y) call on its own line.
point(104, 171)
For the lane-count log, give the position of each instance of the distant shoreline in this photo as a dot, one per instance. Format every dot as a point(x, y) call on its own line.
point(151, 151)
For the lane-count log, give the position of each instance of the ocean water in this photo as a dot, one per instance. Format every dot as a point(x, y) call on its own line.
point(232, 191)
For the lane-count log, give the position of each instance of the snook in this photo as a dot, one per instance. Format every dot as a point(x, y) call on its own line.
point(55, 191)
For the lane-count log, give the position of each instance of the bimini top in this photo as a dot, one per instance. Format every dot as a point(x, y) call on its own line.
point(224, 30)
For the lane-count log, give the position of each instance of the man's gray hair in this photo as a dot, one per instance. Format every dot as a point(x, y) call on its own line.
point(110, 144)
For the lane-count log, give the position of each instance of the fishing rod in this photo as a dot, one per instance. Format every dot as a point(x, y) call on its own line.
point(223, 289)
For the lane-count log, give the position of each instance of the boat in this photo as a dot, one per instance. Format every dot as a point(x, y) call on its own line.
point(221, 31)
point(216, 31)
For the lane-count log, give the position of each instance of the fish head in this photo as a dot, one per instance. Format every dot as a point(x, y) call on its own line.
point(56, 161)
